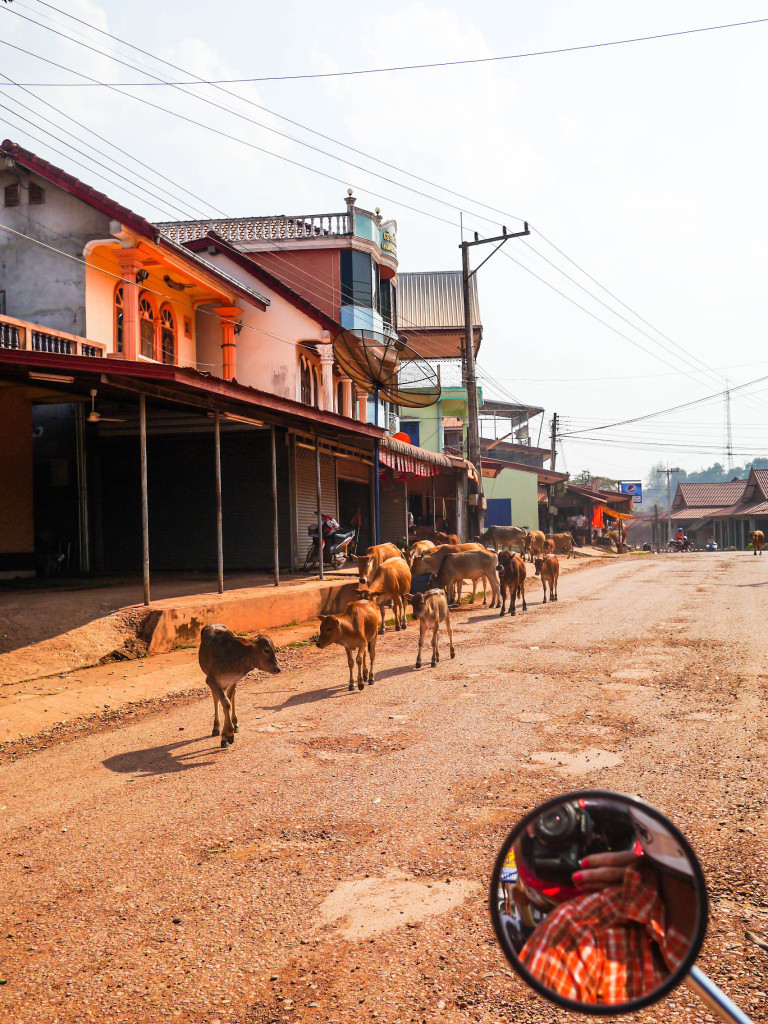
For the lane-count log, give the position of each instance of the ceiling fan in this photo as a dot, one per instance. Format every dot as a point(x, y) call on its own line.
point(94, 417)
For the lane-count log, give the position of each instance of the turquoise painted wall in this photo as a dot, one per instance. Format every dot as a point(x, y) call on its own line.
point(523, 490)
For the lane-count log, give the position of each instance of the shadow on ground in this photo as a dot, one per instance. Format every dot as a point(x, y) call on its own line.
point(161, 760)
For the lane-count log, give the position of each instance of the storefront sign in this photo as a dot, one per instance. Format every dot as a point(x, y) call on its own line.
point(635, 490)
point(389, 241)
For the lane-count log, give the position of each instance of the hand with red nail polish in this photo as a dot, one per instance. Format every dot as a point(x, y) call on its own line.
point(602, 869)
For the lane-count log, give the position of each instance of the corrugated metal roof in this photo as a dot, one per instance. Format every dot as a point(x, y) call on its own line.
point(435, 299)
point(688, 515)
point(719, 495)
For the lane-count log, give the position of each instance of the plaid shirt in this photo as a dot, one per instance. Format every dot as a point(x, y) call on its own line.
point(610, 946)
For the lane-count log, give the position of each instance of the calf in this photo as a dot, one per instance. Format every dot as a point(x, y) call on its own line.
point(225, 659)
point(389, 585)
point(355, 630)
point(368, 563)
point(757, 539)
point(549, 570)
point(431, 608)
point(512, 574)
point(563, 542)
point(534, 543)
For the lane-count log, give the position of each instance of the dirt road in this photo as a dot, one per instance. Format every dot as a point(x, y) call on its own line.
point(333, 865)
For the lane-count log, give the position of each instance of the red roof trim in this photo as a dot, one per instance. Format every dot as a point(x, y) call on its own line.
point(115, 211)
point(184, 378)
point(198, 245)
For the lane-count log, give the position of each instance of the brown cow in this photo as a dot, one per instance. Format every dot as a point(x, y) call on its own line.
point(454, 567)
point(225, 659)
point(431, 608)
point(421, 533)
point(563, 542)
point(447, 538)
point(504, 537)
point(389, 584)
point(756, 539)
point(549, 570)
point(534, 543)
point(355, 630)
point(368, 563)
point(511, 576)
point(417, 548)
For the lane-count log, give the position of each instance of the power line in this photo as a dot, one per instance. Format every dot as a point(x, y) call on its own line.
point(439, 64)
point(368, 170)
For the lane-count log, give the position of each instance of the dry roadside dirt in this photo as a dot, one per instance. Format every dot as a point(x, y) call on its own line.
point(333, 865)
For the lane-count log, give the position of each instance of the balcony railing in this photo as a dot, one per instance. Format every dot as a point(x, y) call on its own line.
point(263, 229)
point(24, 336)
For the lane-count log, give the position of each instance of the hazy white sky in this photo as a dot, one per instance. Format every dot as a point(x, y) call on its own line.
point(644, 163)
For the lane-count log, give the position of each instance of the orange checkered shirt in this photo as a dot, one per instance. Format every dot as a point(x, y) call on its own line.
point(610, 946)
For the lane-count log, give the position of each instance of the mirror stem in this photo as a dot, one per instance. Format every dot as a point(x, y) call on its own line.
point(714, 999)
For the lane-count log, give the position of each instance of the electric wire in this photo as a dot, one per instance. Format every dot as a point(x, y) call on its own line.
point(457, 63)
point(400, 184)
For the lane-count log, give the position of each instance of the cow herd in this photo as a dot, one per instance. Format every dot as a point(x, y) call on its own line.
point(429, 576)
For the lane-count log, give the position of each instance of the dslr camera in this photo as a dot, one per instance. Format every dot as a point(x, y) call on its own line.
point(565, 834)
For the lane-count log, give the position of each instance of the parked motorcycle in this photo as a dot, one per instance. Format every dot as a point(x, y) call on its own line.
point(335, 544)
point(599, 904)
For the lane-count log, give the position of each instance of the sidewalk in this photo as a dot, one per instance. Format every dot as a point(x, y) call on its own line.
point(58, 629)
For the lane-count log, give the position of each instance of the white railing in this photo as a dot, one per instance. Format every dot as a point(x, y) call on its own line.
point(262, 229)
point(23, 336)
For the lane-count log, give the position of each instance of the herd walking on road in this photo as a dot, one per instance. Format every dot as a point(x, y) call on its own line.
point(429, 576)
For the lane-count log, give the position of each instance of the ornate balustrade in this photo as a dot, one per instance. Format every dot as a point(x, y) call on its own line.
point(24, 336)
point(262, 229)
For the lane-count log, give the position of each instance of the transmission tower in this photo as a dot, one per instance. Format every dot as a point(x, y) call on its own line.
point(728, 432)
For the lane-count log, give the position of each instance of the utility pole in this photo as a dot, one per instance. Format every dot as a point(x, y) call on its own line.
point(553, 454)
point(669, 472)
point(470, 377)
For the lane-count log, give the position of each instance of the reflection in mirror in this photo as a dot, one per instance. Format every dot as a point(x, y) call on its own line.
point(599, 901)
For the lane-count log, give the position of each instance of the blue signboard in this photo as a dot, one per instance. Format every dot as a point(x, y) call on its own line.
point(635, 489)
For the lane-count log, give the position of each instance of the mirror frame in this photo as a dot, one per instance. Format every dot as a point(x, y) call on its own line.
point(603, 1009)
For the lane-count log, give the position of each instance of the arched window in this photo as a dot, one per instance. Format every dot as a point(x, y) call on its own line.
point(119, 318)
point(306, 383)
point(146, 328)
point(167, 335)
point(316, 388)
point(340, 398)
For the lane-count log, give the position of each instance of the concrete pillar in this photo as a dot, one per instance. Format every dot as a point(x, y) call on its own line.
point(230, 316)
point(326, 379)
point(347, 389)
point(362, 406)
point(130, 263)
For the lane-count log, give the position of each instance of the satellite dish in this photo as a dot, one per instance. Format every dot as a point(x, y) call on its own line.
point(383, 365)
point(387, 366)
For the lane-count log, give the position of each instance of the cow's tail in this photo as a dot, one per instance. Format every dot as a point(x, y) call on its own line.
point(573, 541)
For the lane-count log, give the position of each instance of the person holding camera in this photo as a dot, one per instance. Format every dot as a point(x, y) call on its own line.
point(629, 923)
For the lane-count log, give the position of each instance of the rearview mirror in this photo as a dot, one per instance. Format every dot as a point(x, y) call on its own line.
point(599, 902)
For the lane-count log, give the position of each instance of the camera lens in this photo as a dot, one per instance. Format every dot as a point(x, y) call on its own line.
point(557, 827)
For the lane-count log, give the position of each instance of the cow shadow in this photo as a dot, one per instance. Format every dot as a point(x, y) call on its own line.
point(307, 697)
point(390, 673)
point(162, 760)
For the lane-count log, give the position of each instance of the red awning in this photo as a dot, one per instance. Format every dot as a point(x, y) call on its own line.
point(409, 464)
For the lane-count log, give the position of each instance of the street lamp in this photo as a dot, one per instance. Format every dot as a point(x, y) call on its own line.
point(669, 472)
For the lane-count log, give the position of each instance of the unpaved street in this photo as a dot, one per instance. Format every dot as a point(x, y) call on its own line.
point(333, 865)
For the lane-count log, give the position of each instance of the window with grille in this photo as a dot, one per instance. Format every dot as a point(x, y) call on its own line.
point(119, 318)
point(147, 327)
point(168, 335)
point(12, 195)
point(306, 383)
point(36, 194)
